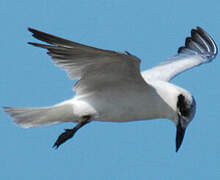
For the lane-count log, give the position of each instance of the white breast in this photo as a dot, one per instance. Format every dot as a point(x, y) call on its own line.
point(125, 105)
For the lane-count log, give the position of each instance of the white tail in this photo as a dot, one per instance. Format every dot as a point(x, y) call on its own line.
point(31, 117)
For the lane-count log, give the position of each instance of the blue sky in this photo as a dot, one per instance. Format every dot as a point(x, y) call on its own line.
point(152, 30)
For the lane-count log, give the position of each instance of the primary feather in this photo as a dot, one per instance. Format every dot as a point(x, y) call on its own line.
point(92, 66)
point(199, 48)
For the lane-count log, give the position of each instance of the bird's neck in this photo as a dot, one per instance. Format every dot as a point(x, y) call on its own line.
point(165, 95)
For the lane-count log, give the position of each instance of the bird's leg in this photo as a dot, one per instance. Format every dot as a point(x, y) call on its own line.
point(69, 133)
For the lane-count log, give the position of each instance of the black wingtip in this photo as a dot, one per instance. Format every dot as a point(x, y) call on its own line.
point(42, 36)
point(39, 45)
point(32, 30)
point(31, 43)
point(199, 42)
point(209, 39)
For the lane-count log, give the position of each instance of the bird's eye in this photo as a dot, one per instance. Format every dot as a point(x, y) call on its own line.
point(183, 106)
point(185, 112)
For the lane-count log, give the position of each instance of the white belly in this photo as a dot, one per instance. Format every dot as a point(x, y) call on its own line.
point(119, 106)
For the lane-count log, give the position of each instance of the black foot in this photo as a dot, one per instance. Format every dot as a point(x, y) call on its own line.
point(64, 137)
point(69, 133)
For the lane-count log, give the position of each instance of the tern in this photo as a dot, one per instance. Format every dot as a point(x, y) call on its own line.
point(112, 88)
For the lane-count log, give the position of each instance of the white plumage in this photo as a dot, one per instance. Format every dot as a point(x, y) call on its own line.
point(111, 87)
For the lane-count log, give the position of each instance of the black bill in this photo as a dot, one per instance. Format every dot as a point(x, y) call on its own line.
point(180, 131)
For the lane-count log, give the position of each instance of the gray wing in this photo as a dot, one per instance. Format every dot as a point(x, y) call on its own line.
point(199, 48)
point(94, 68)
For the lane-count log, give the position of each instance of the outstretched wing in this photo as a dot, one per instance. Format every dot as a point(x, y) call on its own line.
point(199, 48)
point(95, 68)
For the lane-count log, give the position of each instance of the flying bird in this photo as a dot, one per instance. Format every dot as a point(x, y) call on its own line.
point(112, 88)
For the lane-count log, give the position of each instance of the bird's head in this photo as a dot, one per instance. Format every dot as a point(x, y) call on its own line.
point(185, 108)
point(176, 104)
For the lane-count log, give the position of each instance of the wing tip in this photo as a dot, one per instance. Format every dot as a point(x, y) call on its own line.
point(199, 40)
point(42, 36)
point(35, 33)
point(210, 40)
point(31, 29)
point(49, 38)
point(44, 46)
point(31, 43)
